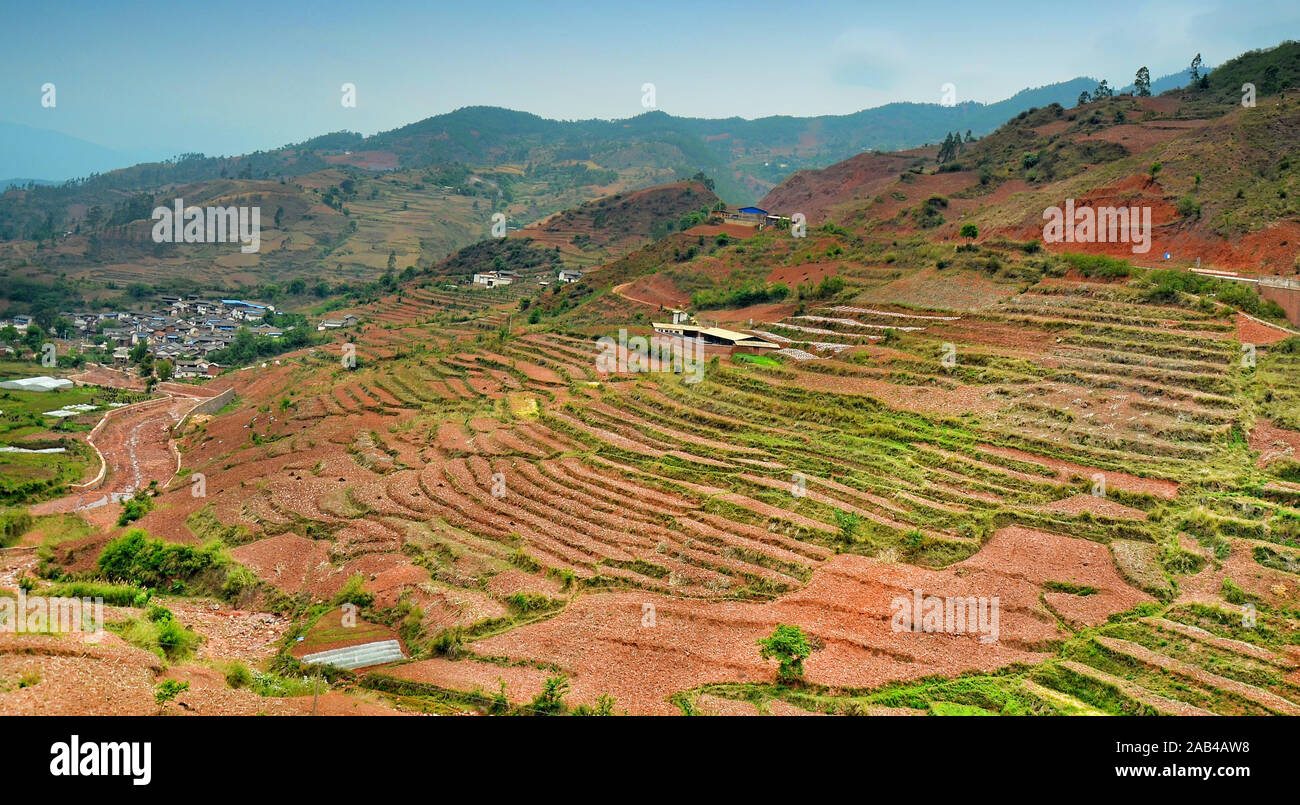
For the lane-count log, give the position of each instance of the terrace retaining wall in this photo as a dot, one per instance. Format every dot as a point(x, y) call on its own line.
point(214, 404)
point(1285, 292)
point(208, 406)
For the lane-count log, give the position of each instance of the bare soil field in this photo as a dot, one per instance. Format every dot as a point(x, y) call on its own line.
point(605, 646)
point(523, 515)
point(1273, 443)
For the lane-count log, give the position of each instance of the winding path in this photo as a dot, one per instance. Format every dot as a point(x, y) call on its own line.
point(135, 446)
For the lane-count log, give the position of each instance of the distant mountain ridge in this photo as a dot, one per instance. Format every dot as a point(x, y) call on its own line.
point(490, 135)
point(455, 170)
point(50, 157)
point(5, 184)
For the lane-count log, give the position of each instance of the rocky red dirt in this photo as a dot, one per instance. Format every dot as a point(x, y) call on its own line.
point(605, 646)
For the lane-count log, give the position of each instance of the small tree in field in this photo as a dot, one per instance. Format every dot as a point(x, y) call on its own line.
point(167, 690)
point(789, 646)
point(551, 700)
point(970, 231)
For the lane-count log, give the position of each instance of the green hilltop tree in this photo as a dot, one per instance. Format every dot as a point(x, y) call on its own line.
point(948, 150)
point(1142, 82)
point(703, 179)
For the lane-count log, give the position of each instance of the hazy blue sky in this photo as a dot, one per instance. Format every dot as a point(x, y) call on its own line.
point(233, 77)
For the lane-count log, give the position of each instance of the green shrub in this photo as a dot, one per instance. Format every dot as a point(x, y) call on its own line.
point(929, 213)
point(137, 559)
point(828, 287)
point(1098, 265)
point(165, 636)
point(1231, 592)
point(238, 675)
point(167, 690)
point(551, 700)
point(604, 707)
point(848, 523)
point(117, 595)
point(740, 296)
point(352, 593)
point(240, 582)
point(1165, 285)
point(13, 524)
point(136, 507)
point(158, 613)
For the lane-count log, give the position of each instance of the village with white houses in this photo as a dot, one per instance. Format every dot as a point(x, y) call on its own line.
point(496, 278)
point(183, 330)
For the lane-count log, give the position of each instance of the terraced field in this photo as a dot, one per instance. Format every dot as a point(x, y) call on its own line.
point(1100, 455)
point(1071, 450)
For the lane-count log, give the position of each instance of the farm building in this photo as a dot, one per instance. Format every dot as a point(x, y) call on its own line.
point(748, 216)
point(714, 336)
point(569, 275)
point(199, 368)
point(334, 324)
point(491, 279)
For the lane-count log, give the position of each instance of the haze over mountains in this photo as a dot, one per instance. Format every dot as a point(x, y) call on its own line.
point(41, 155)
point(46, 156)
point(345, 210)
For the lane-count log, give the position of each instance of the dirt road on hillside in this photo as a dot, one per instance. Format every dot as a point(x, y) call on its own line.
point(136, 446)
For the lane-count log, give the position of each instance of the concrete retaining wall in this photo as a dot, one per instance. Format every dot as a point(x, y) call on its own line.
point(214, 404)
point(1285, 292)
point(208, 406)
